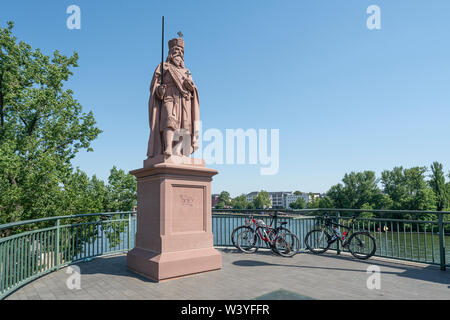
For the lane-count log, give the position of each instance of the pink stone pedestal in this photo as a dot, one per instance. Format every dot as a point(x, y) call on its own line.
point(174, 236)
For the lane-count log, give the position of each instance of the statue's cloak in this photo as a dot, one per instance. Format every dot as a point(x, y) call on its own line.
point(155, 145)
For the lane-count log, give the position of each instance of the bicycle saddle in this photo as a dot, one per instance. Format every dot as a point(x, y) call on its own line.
point(283, 223)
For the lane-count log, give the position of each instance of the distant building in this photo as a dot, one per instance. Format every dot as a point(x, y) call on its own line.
point(278, 199)
point(281, 199)
point(214, 200)
point(251, 196)
point(291, 198)
point(314, 195)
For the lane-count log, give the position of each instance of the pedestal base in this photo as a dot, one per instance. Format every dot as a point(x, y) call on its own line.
point(170, 265)
point(174, 235)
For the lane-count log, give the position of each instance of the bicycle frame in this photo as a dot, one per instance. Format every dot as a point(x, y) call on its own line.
point(256, 230)
point(329, 226)
point(266, 234)
point(252, 221)
point(268, 231)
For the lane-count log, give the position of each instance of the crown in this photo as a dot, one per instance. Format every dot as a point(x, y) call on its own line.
point(176, 42)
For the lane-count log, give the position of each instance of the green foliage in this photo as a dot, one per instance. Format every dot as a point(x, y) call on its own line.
point(82, 194)
point(90, 195)
point(366, 214)
point(408, 189)
point(121, 191)
point(224, 200)
point(225, 197)
point(447, 219)
point(42, 128)
point(402, 189)
point(314, 203)
point(358, 188)
point(262, 200)
point(368, 225)
point(438, 185)
point(220, 205)
point(240, 202)
point(298, 204)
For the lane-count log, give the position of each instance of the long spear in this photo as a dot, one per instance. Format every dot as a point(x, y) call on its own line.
point(162, 53)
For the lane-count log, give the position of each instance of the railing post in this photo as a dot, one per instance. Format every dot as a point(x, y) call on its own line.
point(338, 249)
point(129, 231)
point(57, 245)
point(441, 240)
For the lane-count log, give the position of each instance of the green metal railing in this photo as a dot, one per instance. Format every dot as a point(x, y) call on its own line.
point(30, 249)
point(36, 247)
point(403, 237)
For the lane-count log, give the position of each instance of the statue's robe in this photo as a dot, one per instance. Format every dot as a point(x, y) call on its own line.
point(184, 110)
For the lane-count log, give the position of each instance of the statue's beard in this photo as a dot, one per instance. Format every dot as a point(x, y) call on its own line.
point(178, 61)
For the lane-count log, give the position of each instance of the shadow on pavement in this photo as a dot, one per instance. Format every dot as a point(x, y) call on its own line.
point(112, 265)
point(428, 273)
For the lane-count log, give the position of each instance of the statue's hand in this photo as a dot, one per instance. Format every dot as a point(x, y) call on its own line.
point(189, 84)
point(161, 91)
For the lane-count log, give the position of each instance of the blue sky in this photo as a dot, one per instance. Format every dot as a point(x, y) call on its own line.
point(344, 98)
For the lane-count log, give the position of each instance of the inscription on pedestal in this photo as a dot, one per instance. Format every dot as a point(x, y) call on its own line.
point(188, 208)
point(186, 200)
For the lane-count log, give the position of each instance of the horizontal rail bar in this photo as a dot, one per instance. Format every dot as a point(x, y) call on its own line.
point(20, 223)
point(332, 209)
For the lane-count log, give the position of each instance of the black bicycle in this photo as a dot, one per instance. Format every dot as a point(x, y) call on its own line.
point(360, 243)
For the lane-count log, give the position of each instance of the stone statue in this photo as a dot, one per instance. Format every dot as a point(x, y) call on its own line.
point(173, 107)
point(174, 226)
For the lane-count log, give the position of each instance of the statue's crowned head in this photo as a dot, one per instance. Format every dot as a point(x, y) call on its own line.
point(176, 42)
point(176, 52)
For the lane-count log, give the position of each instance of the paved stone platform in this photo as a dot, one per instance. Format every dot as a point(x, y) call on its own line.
point(250, 276)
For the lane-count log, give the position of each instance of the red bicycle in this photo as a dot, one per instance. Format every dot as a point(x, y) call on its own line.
point(279, 239)
point(251, 223)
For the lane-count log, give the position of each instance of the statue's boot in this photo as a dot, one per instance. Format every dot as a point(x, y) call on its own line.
point(168, 137)
point(168, 152)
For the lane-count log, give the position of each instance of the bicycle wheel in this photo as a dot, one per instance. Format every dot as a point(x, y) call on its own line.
point(283, 229)
point(247, 241)
point(317, 241)
point(235, 232)
point(287, 244)
point(362, 245)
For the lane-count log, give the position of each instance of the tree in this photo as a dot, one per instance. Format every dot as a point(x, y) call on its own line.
point(225, 197)
point(220, 205)
point(437, 184)
point(224, 200)
point(81, 194)
point(251, 206)
point(262, 200)
point(408, 189)
point(240, 202)
point(358, 189)
point(314, 204)
point(298, 204)
point(42, 127)
point(121, 191)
